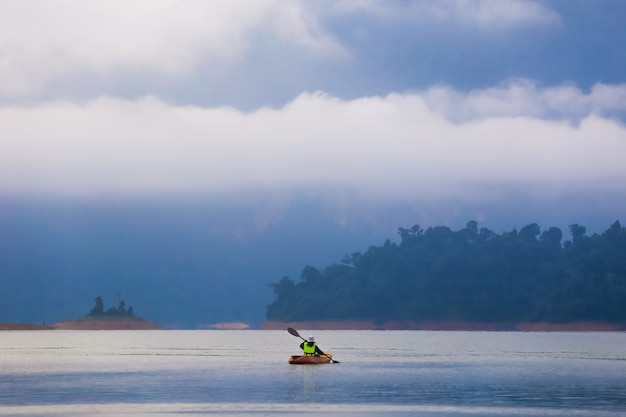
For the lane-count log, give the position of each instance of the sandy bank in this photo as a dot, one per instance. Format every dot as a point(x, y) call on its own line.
point(586, 326)
point(229, 325)
point(106, 325)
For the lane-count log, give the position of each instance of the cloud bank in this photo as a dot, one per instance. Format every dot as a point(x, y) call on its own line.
point(59, 40)
point(387, 99)
point(437, 143)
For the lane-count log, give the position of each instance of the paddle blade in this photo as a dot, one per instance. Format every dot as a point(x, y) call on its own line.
point(294, 332)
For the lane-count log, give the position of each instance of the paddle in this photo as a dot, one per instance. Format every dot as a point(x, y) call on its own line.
point(295, 333)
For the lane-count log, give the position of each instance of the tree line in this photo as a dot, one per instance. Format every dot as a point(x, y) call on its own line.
point(99, 311)
point(469, 274)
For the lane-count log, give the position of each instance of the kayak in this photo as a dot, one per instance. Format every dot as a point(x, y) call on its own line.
point(303, 360)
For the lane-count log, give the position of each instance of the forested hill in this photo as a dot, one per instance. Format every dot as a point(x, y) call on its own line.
point(469, 274)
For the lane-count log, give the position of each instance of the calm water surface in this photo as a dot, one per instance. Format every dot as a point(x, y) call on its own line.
point(245, 373)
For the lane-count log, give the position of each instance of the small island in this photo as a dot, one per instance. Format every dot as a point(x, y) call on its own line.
point(120, 318)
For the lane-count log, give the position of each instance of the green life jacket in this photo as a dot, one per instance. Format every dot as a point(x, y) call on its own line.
point(309, 348)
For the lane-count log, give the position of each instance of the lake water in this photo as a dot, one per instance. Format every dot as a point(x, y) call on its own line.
point(245, 373)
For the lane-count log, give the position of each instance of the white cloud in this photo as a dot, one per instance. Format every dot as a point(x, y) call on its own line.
point(98, 43)
point(523, 98)
point(502, 13)
point(43, 42)
point(485, 14)
point(396, 145)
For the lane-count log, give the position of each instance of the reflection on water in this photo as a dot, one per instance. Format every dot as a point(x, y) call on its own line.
point(239, 373)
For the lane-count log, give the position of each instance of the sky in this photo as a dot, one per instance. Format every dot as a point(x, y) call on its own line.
point(430, 112)
point(437, 98)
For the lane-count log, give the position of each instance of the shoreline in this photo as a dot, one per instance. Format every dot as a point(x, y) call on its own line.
point(447, 325)
point(426, 325)
point(85, 325)
point(24, 326)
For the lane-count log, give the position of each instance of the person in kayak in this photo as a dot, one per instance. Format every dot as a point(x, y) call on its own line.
point(310, 348)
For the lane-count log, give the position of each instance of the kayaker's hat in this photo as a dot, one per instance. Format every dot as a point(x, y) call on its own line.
point(311, 339)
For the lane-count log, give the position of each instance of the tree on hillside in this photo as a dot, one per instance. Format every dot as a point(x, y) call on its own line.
point(98, 309)
point(120, 311)
point(469, 274)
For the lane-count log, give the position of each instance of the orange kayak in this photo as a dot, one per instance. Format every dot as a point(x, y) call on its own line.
point(303, 360)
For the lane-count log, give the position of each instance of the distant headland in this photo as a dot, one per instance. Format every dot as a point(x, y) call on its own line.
point(113, 318)
point(120, 318)
point(467, 279)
